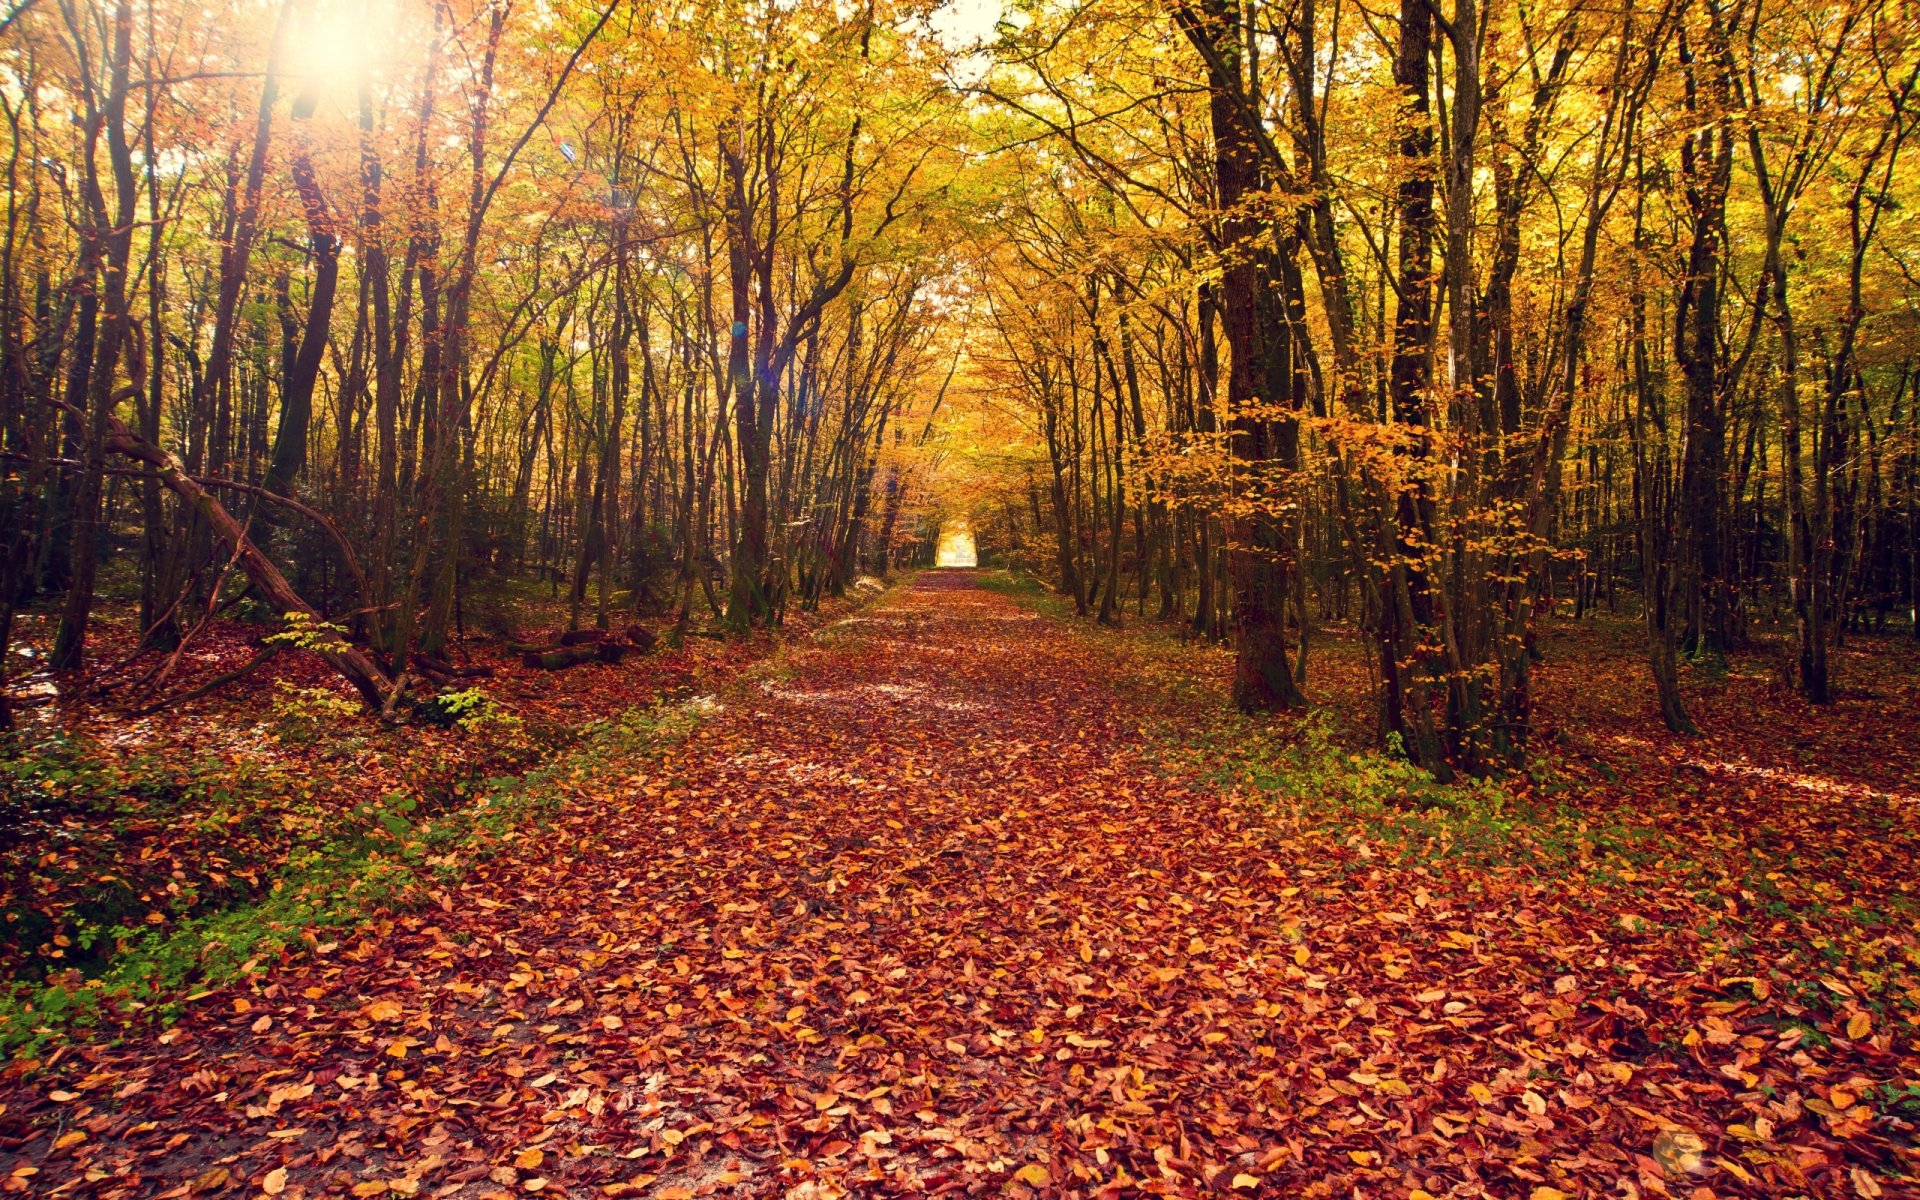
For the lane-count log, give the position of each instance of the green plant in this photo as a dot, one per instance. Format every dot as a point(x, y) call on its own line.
point(450, 708)
point(55, 769)
point(473, 712)
point(304, 631)
point(300, 715)
point(1894, 1098)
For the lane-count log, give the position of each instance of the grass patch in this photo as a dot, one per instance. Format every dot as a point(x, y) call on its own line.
point(384, 859)
point(346, 866)
point(1311, 775)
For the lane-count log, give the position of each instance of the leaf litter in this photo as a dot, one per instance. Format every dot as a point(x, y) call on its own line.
point(976, 934)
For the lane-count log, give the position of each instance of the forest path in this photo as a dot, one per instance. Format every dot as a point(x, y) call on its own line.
point(917, 911)
point(911, 918)
point(915, 917)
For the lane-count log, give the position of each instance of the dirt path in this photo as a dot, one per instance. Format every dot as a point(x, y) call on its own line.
point(918, 917)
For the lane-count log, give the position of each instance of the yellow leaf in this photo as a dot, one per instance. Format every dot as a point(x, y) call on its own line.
point(1859, 1025)
point(1679, 1152)
point(1548, 1193)
point(372, 1187)
point(1034, 1174)
point(1300, 956)
point(529, 1158)
point(1246, 1181)
point(70, 1138)
point(1480, 1092)
point(383, 1010)
point(275, 1182)
point(1361, 1157)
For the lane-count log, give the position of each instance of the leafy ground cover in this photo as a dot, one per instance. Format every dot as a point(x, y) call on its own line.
point(962, 898)
point(144, 852)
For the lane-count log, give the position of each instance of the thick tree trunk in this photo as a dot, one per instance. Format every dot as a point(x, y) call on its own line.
point(1258, 549)
point(1404, 506)
point(1706, 167)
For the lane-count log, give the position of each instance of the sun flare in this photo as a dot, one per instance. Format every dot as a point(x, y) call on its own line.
point(337, 45)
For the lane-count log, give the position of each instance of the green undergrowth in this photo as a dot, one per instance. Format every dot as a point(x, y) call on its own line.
point(1311, 774)
point(156, 835)
point(382, 856)
point(386, 859)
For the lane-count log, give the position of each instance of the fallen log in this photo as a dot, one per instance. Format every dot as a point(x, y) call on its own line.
point(581, 637)
point(440, 666)
point(641, 638)
point(559, 658)
point(369, 680)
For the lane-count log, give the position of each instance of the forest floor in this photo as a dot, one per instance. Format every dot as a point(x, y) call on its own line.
point(958, 897)
point(126, 818)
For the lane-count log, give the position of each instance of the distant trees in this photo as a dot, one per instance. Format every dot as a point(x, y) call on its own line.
point(1445, 317)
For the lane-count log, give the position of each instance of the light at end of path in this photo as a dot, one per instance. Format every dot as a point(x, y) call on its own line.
point(956, 548)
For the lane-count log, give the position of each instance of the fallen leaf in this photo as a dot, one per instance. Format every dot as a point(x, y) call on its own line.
point(1034, 1174)
point(1679, 1152)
